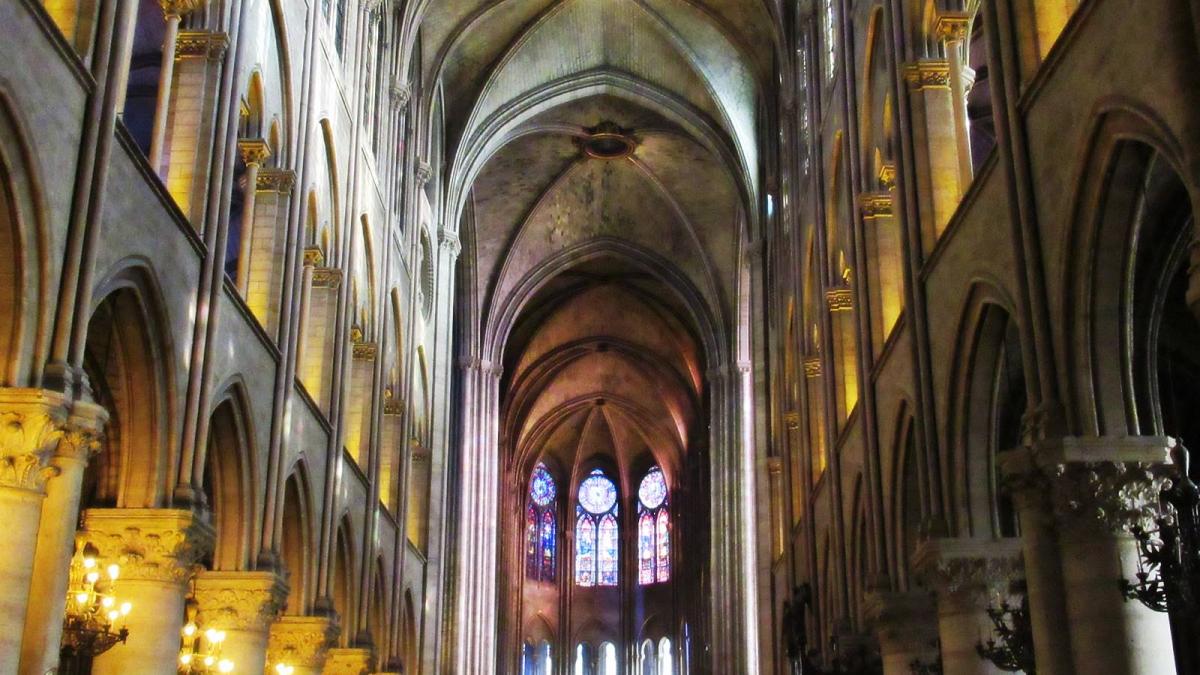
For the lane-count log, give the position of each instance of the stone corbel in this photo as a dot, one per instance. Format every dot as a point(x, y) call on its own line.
point(150, 544)
point(401, 93)
point(301, 641)
point(840, 299)
point(282, 181)
point(449, 242)
point(249, 601)
point(31, 426)
point(424, 173)
point(928, 74)
point(201, 44)
point(327, 277)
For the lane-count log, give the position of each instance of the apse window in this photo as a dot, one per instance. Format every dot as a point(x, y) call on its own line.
point(540, 526)
point(654, 531)
point(596, 535)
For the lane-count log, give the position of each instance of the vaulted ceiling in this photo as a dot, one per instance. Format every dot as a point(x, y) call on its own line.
point(520, 87)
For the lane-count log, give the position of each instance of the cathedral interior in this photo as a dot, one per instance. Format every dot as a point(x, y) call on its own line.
point(599, 337)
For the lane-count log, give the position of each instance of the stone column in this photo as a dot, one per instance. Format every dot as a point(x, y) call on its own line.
point(906, 626)
point(1103, 487)
point(156, 549)
point(254, 152)
point(936, 141)
point(191, 118)
point(301, 642)
point(173, 11)
point(56, 538)
point(31, 424)
point(244, 605)
point(951, 29)
point(355, 661)
point(967, 574)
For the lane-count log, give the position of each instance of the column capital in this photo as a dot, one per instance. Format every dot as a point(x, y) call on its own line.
point(301, 640)
point(248, 601)
point(424, 172)
point(400, 92)
point(254, 151)
point(952, 26)
point(201, 44)
point(356, 661)
point(840, 299)
point(150, 544)
point(314, 257)
point(812, 366)
point(887, 175)
point(928, 74)
point(449, 242)
point(327, 277)
point(31, 426)
point(282, 181)
point(1093, 485)
point(180, 7)
point(953, 565)
point(83, 432)
point(876, 205)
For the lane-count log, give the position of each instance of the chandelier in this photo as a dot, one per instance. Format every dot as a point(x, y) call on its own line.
point(200, 650)
point(95, 619)
point(284, 669)
point(1011, 649)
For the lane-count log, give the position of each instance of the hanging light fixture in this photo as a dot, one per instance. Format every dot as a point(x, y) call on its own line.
point(200, 649)
point(95, 620)
point(284, 669)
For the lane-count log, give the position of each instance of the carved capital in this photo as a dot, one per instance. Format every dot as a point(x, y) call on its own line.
point(424, 173)
point(365, 351)
point(887, 175)
point(180, 7)
point(254, 151)
point(391, 404)
point(928, 74)
point(978, 565)
point(314, 257)
point(150, 544)
point(876, 205)
point(792, 420)
point(1092, 485)
point(952, 27)
point(812, 366)
point(449, 241)
point(348, 662)
point(248, 601)
point(83, 432)
point(282, 181)
point(201, 44)
point(840, 299)
point(301, 641)
point(31, 425)
point(401, 93)
point(327, 277)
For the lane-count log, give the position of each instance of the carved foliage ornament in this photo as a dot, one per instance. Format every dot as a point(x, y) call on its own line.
point(149, 544)
point(928, 74)
point(1112, 497)
point(31, 425)
point(301, 641)
point(240, 604)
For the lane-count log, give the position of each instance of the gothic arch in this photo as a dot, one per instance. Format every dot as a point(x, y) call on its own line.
point(228, 478)
point(130, 366)
point(23, 264)
point(1128, 184)
point(297, 534)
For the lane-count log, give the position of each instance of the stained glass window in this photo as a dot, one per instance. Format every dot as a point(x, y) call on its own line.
point(654, 525)
point(585, 551)
point(540, 530)
point(597, 547)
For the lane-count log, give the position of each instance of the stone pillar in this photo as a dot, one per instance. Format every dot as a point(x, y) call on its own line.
point(173, 11)
point(56, 538)
point(1103, 487)
point(355, 661)
point(244, 605)
point(192, 117)
point(951, 29)
point(31, 424)
point(156, 549)
point(254, 152)
point(906, 626)
point(967, 574)
point(301, 642)
point(938, 176)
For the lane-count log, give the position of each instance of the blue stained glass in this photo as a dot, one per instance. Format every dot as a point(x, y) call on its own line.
point(608, 546)
point(548, 546)
point(585, 551)
point(664, 547)
point(653, 490)
point(541, 487)
point(597, 493)
point(531, 545)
